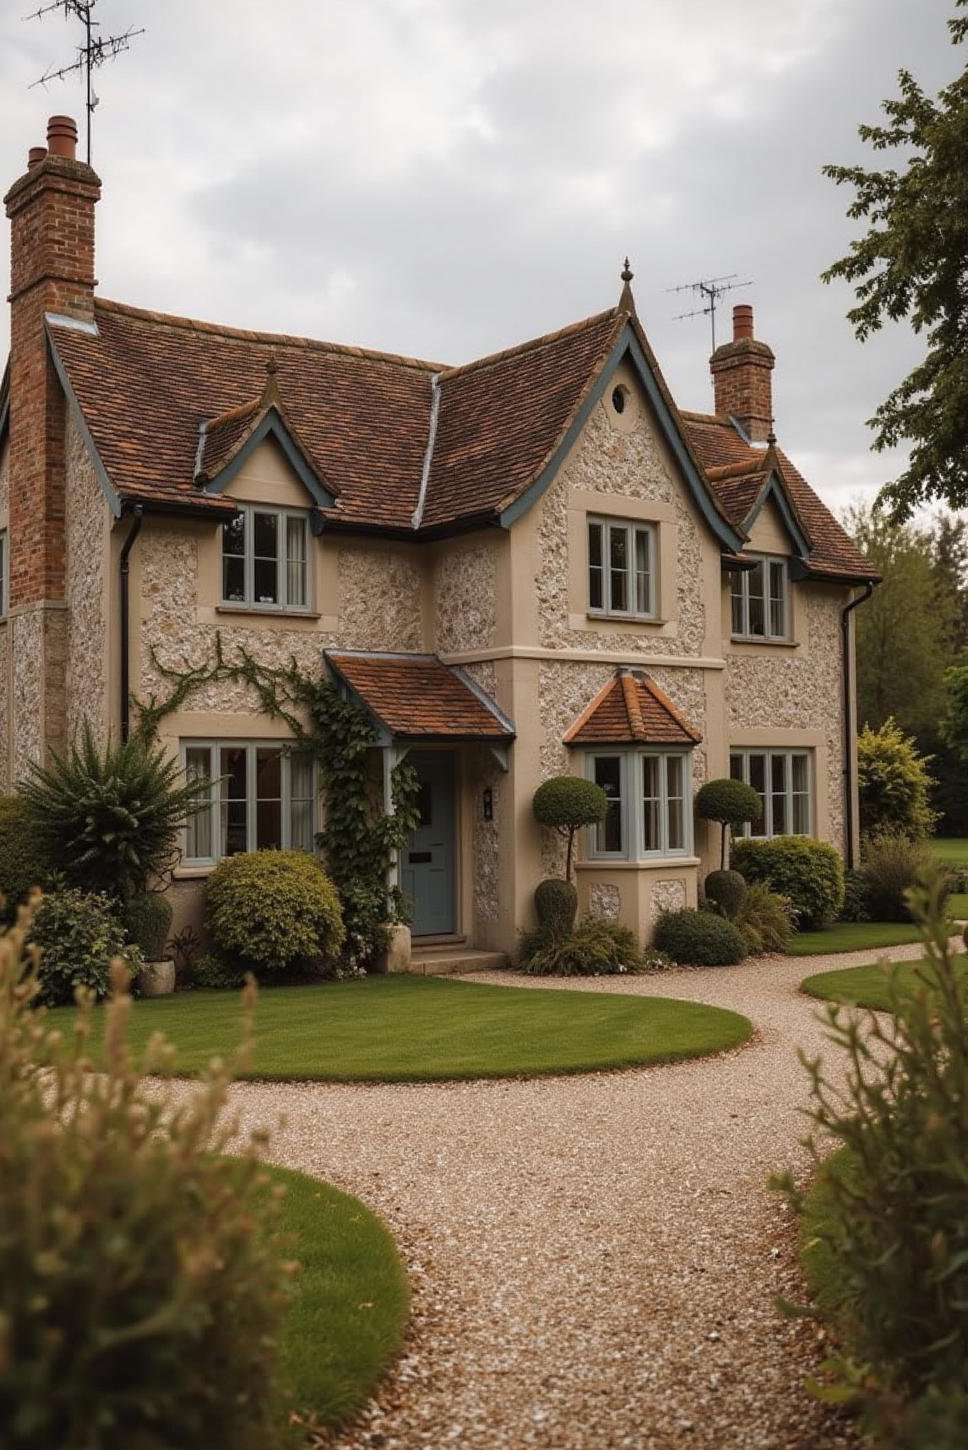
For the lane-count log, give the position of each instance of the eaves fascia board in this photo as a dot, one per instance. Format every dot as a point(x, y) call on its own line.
point(100, 472)
point(627, 345)
point(273, 425)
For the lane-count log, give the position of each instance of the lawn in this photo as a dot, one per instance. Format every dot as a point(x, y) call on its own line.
point(853, 936)
point(865, 986)
point(422, 1029)
point(952, 850)
point(347, 1317)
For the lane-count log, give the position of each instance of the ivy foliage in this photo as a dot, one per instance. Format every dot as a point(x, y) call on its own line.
point(360, 840)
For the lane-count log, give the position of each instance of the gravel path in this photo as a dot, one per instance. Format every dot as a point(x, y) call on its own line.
point(593, 1259)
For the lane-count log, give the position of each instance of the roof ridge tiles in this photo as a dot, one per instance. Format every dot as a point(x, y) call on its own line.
point(532, 345)
point(273, 339)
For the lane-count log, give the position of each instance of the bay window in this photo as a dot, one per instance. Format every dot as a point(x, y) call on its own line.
point(261, 797)
point(265, 555)
point(759, 600)
point(649, 804)
point(621, 568)
point(782, 780)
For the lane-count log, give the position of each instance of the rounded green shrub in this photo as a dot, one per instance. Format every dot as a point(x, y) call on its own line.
point(23, 860)
point(893, 783)
point(730, 802)
point(699, 938)
point(79, 936)
point(147, 921)
point(726, 889)
point(891, 866)
point(594, 948)
point(273, 912)
point(143, 1270)
point(810, 873)
point(565, 803)
point(556, 903)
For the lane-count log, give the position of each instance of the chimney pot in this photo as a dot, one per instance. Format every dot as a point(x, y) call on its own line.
point(742, 321)
point(35, 156)
point(62, 136)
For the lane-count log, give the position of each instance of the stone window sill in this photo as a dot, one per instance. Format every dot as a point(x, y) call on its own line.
point(663, 863)
point(266, 611)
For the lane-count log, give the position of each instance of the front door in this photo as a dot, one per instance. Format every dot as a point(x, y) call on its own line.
point(427, 865)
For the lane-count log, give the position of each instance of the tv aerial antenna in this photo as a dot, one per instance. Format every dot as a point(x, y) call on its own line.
point(710, 289)
point(93, 53)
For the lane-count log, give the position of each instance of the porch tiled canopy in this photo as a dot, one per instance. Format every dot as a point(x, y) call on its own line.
point(631, 709)
point(418, 697)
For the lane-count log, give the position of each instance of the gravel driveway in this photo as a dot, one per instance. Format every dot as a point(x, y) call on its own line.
point(594, 1258)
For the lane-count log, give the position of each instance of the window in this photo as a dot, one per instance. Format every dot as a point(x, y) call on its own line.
point(621, 568)
point(760, 601)
point(781, 779)
point(4, 566)
point(265, 559)
point(262, 797)
point(649, 800)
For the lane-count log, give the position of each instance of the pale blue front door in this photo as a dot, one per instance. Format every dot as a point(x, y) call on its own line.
point(427, 865)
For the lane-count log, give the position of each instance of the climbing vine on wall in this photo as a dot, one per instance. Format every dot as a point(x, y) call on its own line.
point(359, 840)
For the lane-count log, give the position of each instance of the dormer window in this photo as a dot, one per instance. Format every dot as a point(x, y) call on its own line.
point(760, 600)
point(265, 559)
point(621, 568)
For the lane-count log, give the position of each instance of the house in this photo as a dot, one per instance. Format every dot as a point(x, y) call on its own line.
point(529, 564)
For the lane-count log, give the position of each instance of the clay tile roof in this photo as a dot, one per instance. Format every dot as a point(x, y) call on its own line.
point(733, 468)
point(222, 437)
point(631, 710)
point(418, 697)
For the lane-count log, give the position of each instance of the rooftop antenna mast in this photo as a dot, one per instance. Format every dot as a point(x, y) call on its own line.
point(710, 289)
point(94, 52)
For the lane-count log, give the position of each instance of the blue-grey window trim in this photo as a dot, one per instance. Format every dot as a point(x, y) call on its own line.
point(632, 526)
point(743, 580)
point(273, 425)
point(768, 752)
point(632, 827)
point(213, 744)
point(247, 510)
point(628, 346)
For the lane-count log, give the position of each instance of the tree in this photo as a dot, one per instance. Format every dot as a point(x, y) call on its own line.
point(565, 803)
point(949, 551)
point(893, 784)
point(954, 726)
point(903, 630)
point(730, 802)
point(912, 264)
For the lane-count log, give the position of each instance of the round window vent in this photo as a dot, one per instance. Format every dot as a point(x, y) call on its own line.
point(620, 399)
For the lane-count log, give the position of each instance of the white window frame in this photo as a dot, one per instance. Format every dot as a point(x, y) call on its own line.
point(4, 573)
point(787, 756)
point(742, 577)
point(632, 529)
point(632, 786)
point(251, 799)
point(282, 515)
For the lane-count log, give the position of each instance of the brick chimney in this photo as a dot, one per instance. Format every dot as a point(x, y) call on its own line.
point(51, 211)
point(741, 378)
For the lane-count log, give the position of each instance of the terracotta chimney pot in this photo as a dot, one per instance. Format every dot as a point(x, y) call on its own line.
point(742, 321)
point(35, 156)
point(62, 136)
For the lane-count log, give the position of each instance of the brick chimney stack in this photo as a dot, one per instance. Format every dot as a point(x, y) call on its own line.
point(51, 211)
point(741, 371)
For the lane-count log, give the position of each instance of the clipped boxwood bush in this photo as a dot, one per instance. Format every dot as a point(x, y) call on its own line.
point(556, 904)
point(730, 802)
point(23, 861)
point(726, 889)
point(274, 912)
point(699, 938)
point(147, 921)
point(810, 873)
point(595, 948)
point(565, 803)
point(79, 936)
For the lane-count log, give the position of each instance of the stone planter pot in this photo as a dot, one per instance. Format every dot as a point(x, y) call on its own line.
point(396, 958)
point(157, 979)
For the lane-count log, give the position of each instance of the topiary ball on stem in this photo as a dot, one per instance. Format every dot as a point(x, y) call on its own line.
point(565, 803)
point(730, 802)
point(727, 889)
point(556, 904)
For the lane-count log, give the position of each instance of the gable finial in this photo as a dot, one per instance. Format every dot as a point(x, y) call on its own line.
point(270, 393)
point(626, 303)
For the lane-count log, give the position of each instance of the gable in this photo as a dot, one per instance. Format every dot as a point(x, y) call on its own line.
point(770, 532)
point(267, 476)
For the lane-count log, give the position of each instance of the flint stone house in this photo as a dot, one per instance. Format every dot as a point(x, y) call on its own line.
point(530, 564)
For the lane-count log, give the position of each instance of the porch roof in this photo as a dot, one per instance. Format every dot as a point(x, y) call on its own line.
point(631, 710)
point(418, 697)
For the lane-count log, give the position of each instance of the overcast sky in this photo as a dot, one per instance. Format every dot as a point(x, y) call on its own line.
point(443, 178)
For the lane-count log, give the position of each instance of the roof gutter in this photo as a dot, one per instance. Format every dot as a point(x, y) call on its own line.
point(123, 571)
point(868, 587)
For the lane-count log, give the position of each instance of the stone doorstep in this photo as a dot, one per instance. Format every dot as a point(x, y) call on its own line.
point(451, 960)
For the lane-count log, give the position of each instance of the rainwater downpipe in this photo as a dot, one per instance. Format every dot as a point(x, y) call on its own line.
point(123, 569)
point(849, 717)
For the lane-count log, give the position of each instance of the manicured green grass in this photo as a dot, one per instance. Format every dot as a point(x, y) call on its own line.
point(958, 905)
point(866, 986)
point(820, 1267)
point(853, 936)
point(348, 1313)
point(953, 850)
point(412, 1029)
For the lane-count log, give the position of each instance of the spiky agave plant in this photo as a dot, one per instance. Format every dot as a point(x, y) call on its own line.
point(110, 816)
